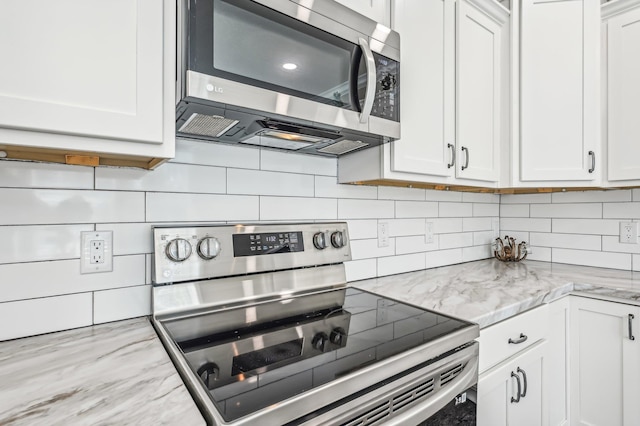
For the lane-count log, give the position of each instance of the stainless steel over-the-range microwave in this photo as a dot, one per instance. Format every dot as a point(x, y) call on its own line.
point(310, 76)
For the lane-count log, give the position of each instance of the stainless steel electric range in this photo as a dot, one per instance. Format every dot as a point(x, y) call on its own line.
point(263, 329)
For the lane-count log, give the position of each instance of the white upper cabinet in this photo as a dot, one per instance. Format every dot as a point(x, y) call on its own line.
point(93, 76)
point(427, 75)
point(481, 53)
point(454, 79)
point(378, 10)
point(622, 60)
point(559, 91)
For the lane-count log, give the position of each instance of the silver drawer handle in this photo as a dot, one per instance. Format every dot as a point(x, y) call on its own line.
point(522, 338)
point(524, 377)
point(631, 336)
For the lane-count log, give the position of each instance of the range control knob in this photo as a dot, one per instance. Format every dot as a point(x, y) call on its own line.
point(208, 248)
point(320, 241)
point(178, 250)
point(320, 341)
point(337, 336)
point(337, 239)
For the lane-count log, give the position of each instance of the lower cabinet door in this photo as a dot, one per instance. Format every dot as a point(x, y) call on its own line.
point(511, 393)
point(605, 363)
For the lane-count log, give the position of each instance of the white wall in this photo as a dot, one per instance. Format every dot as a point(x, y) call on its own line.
point(44, 207)
point(579, 228)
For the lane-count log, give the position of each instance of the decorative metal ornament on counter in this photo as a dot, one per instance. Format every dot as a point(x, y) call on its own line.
point(508, 251)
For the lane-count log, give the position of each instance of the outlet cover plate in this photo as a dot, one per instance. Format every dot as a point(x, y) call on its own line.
point(87, 266)
point(383, 234)
point(629, 232)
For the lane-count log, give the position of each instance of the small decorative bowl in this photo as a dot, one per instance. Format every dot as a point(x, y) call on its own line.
point(508, 251)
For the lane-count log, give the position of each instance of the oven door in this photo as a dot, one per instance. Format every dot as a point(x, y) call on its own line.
point(246, 54)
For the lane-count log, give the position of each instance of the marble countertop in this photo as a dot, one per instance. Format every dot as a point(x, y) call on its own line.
point(119, 373)
point(116, 373)
point(488, 291)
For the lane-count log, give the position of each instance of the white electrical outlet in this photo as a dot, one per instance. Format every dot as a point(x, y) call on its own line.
point(428, 234)
point(629, 232)
point(383, 234)
point(97, 251)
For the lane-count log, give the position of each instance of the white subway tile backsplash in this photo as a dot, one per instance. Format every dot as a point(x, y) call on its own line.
point(361, 229)
point(367, 249)
point(524, 224)
point(514, 210)
point(400, 264)
point(257, 182)
point(37, 316)
point(443, 258)
point(591, 196)
point(574, 241)
point(290, 208)
point(121, 303)
point(57, 206)
point(365, 209)
point(44, 279)
point(579, 210)
point(636, 262)
point(448, 241)
point(542, 254)
point(483, 238)
point(586, 226)
point(405, 209)
point(129, 238)
point(478, 197)
point(469, 254)
point(328, 187)
point(27, 174)
point(613, 244)
point(591, 258)
point(399, 193)
point(168, 178)
point(414, 244)
point(298, 163)
point(480, 209)
point(525, 198)
point(451, 196)
point(447, 225)
point(519, 236)
point(40, 242)
point(635, 194)
point(470, 224)
point(402, 227)
point(213, 154)
point(622, 210)
point(361, 269)
point(174, 207)
point(455, 209)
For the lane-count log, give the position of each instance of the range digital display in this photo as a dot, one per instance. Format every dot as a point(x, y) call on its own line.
point(267, 243)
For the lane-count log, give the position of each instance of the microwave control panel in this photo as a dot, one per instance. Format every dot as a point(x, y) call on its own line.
point(387, 100)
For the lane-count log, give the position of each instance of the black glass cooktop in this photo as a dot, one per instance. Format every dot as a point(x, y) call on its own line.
point(365, 330)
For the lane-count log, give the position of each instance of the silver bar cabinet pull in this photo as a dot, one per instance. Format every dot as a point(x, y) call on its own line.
point(466, 157)
point(631, 336)
point(593, 161)
point(524, 377)
point(453, 155)
point(519, 388)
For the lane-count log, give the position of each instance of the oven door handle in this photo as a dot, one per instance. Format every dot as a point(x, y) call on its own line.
point(370, 65)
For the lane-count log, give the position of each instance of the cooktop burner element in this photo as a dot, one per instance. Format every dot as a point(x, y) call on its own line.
point(262, 327)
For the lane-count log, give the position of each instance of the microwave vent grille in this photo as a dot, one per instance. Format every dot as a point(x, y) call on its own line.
point(342, 147)
point(207, 125)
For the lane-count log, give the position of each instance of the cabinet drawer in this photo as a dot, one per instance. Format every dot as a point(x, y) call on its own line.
point(523, 330)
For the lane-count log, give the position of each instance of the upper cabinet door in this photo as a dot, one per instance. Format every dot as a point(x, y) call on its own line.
point(378, 10)
point(427, 102)
point(83, 67)
point(481, 52)
point(623, 100)
point(559, 90)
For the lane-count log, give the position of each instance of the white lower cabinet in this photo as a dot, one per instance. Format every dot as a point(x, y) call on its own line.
point(513, 380)
point(605, 363)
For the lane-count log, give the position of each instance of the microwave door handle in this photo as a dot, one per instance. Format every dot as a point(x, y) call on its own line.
point(370, 65)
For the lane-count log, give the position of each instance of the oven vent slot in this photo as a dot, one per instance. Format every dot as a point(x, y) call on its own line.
point(450, 374)
point(392, 405)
